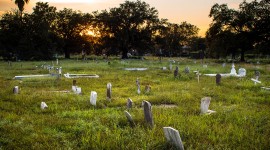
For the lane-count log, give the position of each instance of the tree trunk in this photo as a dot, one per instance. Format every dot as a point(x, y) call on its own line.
point(242, 55)
point(124, 53)
point(67, 53)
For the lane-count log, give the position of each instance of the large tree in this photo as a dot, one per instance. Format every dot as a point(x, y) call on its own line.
point(20, 4)
point(130, 26)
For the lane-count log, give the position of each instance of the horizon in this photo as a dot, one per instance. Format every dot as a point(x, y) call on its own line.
point(194, 12)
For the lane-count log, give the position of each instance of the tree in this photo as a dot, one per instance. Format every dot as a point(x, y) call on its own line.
point(70, 25)
point(242, 29)
point(130, 26)
point(20, 4)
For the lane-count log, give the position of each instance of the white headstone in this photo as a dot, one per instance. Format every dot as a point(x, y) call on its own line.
point(233, 71)
point(60, 70)
point(138, 86)
point(43, 105)
point(109, 91)
point(56, 61)
point(74, 88)
point(242, 72)
point(164, 68)
point(172, 135)
point(78, 90)
point(205, 102)
point(93, 98)
point(16, 90)
point(170, 66)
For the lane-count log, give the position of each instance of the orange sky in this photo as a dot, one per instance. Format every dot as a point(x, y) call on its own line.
point(176, 11)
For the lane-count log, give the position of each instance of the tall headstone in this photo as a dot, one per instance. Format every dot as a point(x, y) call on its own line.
point(129, 103)
point(129, 118)
point(176, 72)
point(138, 86)
point(224, 65)
point(198, 76)
point(43, 105)
point(170, 66)
point(56, 61)
point(93, 98)
point(60, 71)
point(233, 71)
point(16, 90)
point(172, 135)
point(205, 102)
point(218, 79)
point(109, 91)
point(147, 108)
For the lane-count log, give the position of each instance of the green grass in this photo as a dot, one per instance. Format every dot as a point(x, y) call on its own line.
point(242, 120)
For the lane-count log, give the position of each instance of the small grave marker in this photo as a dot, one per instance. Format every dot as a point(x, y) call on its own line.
point(16, 90)
point(176, 72)
point(147, 108)
point(198, 76)
point(218, 79)
point(187, 70)
point(109, 91)
point(129, 103)
point(242, 72)
point(93, 98)
point(138, 86)
point(233, 71)
point(43, 105)
point(170, 66)
point(147, 88)
point(224, 65)
point(129, 118)
point(205, 102)
point(172, 135)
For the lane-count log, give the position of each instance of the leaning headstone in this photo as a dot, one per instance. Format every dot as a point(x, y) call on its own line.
point(187, 70)
point(218, 79)
point(233, 71)
point(93, 98)
point(16, 90)
point(43, 105)
point(129, 103)
point(205, 102)
point(176, 72)
point(129, 118)
point(147, 108)
point(109, 91)
point(172, 135)
point(138, 86)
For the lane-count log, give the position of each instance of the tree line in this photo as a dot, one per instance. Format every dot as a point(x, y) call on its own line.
point(132, 28)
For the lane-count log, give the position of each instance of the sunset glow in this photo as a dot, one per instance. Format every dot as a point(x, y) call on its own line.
point(176, 11)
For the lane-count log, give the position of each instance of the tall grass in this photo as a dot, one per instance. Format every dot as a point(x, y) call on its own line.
point(242, 120)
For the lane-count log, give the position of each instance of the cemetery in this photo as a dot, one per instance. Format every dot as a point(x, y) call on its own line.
point(133, 104)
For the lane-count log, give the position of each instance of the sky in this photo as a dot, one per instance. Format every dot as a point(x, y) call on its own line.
point(195, 12)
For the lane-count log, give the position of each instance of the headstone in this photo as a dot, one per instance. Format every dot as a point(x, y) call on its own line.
point(129, 118)
point(164, 68)
point(129, 103)
point(74, 88)
point(242, 72)
point(147, 108)
point(172, 135)
point(257, 74)
point(187, 70)
point(60, 71)
point(43, 105)
point(78, 90)
point(16, 90)
point(224, 65)
point(205, 102)
point(109, 91)
point(147, 88)
point(233, 71)
point(218, 79)
point(198, 76)
point(170, 66)
point(138, 86)
point(74, 82)
point(93, 98)
point(176, 72)
point(56, 61)
point(205, 66)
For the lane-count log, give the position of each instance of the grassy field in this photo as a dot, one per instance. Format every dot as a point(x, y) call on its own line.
point(241, 121)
